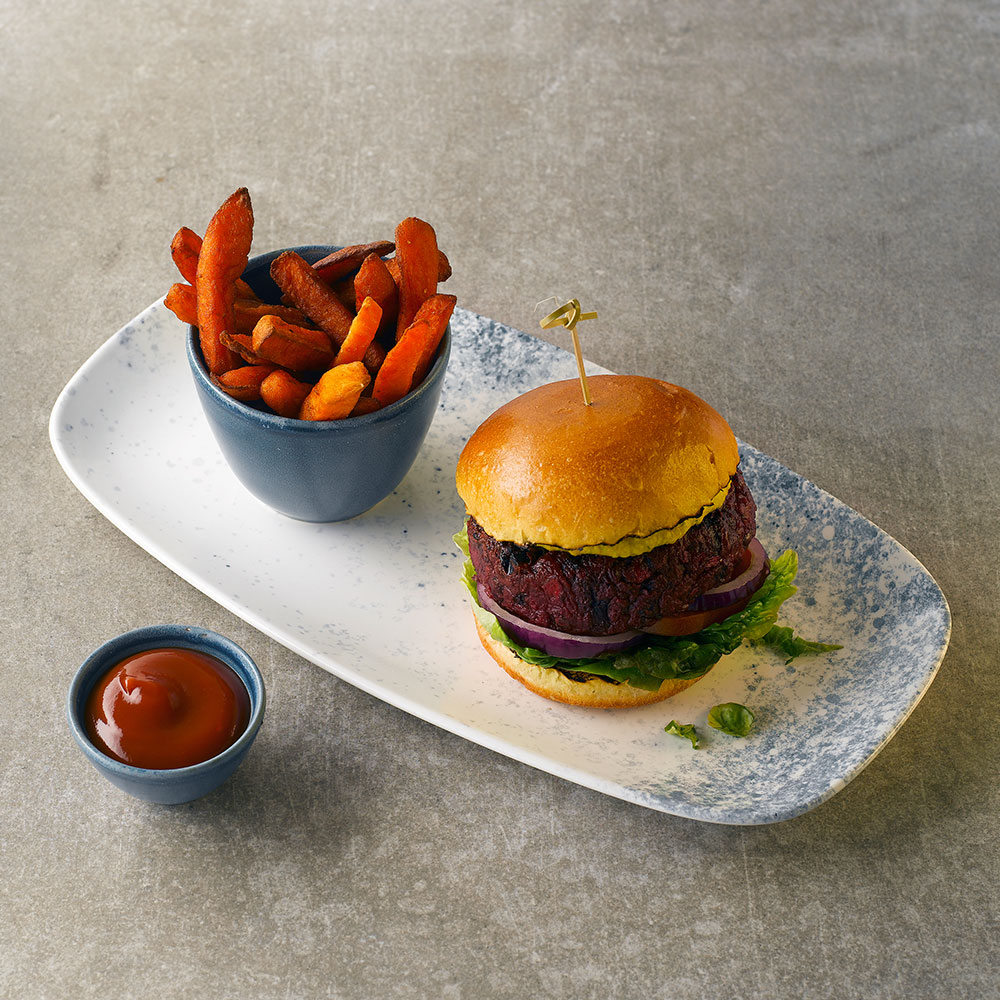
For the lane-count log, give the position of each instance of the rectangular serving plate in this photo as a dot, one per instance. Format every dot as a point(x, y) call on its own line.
point(377, 601)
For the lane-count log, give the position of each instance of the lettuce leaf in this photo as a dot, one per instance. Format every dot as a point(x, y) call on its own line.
point(732, 718)
point(685, 732)
point(667, 657)
point(793, 645)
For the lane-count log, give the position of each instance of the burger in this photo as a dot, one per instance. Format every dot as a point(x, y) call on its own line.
point(611, 548)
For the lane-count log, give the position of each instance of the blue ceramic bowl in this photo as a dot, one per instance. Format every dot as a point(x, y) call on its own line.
point(180, 784)
point(317, 470)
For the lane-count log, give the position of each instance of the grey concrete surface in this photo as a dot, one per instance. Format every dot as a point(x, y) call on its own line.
point(792, 208)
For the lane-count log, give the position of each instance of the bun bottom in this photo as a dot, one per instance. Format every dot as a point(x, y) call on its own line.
point(591, 693)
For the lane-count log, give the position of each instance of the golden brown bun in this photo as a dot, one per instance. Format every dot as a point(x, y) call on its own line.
point(593, 693)
point(545, 468)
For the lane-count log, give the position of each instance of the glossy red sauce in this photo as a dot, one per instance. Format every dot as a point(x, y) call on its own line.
point(167, 708)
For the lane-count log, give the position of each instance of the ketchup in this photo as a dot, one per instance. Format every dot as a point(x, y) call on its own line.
point(167, 708)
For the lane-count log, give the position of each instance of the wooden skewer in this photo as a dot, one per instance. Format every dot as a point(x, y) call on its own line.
point(569, 315)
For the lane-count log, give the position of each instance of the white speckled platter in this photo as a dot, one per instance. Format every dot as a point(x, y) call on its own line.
point(377, 601)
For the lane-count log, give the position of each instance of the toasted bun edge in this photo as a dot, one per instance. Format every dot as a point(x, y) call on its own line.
point(556, 686)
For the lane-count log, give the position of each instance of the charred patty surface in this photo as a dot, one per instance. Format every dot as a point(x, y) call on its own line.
point(602, 595)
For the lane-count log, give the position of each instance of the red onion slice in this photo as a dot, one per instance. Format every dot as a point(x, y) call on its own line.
point(740, 586)
point(564, 645)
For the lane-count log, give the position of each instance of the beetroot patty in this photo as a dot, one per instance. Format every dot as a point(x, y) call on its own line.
point(603, 595)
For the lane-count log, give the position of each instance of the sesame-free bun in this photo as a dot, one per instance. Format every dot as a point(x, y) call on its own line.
point(645, 461)
point(591, 693)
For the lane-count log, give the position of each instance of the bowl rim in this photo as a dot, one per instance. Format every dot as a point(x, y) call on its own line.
point(294, 424)
point(138, 640)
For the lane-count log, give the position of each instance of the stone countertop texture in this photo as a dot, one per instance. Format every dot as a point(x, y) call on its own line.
point(793, 211)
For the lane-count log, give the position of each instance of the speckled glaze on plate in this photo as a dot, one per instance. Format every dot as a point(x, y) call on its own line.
point(377, 600)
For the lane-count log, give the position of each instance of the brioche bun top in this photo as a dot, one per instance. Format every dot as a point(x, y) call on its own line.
point(637, 468)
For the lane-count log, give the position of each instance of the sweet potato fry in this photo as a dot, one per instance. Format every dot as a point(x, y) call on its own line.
point(306, 290)
point(182, 301)
point(248, 312)
point(374, 280)
point(409, 358)
point(296, 348)
point(241, 344)
point(432, 320)
point(362, 333)
point(342, 262)
point(244, 383)
point(374, 357)
point(284, 393)
point(224, 253)
point(336, 393)
point(396, 374)
point(365, 404)
point(417, 253)
point(444, 267)
point(343, 288)
point(185, 248)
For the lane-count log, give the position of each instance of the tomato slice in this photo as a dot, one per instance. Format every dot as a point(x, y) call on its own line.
point(689, 622)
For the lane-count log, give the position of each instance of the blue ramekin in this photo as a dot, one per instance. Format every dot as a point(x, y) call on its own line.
point(328, 470)
point(181, 784)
